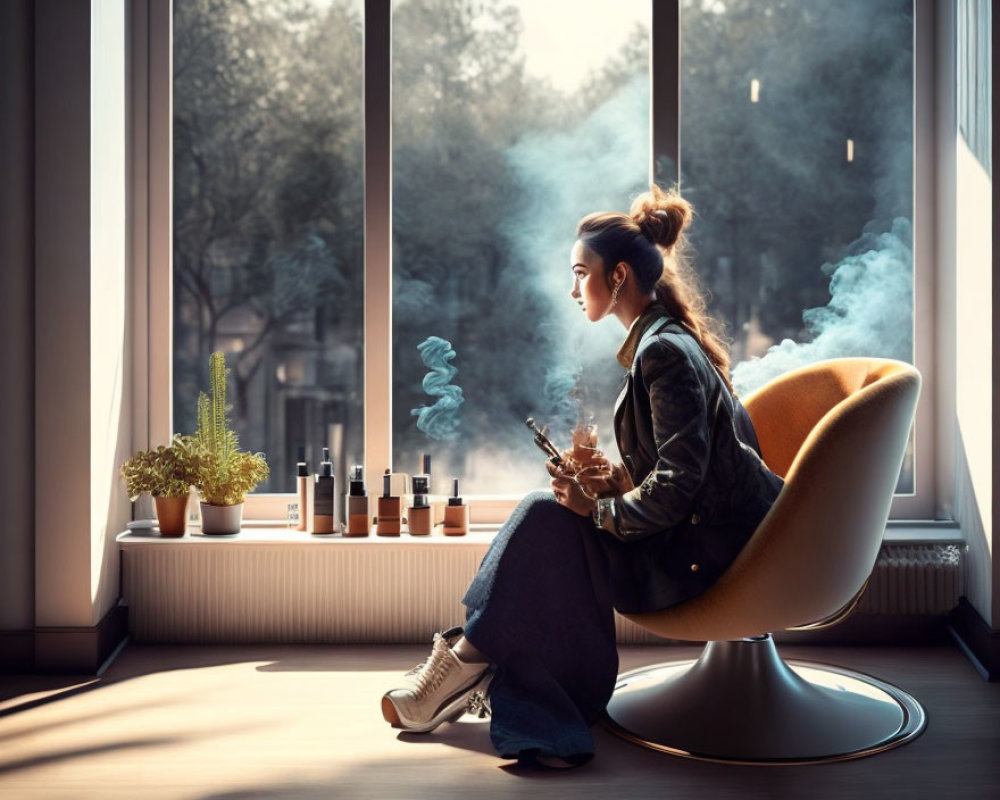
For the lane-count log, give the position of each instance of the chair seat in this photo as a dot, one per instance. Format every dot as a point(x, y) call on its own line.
point(741, 703)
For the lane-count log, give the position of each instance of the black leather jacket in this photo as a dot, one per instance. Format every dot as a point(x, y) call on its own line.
point(701, 487)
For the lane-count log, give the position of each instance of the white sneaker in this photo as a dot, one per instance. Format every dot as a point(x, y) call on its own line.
point(441, 689)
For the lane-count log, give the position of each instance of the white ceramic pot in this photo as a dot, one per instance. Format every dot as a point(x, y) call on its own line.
point(221, 520)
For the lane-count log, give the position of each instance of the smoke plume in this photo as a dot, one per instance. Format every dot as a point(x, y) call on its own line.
point(869, 313)
point(439, 421)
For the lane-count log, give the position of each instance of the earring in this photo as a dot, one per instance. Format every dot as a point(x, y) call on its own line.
point(614, 294)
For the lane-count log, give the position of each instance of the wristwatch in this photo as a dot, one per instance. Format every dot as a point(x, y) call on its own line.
point(604, 510)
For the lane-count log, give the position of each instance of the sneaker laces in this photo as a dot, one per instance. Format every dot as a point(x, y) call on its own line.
point(429, 674)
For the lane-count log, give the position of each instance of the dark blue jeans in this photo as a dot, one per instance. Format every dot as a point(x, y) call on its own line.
point(540, 609)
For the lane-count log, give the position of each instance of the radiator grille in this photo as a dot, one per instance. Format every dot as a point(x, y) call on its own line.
point(915, 579)
point(396, 593)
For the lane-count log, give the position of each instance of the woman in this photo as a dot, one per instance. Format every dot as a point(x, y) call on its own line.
point(645, 534)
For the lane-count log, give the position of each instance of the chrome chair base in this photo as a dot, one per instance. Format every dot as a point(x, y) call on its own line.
point(741, 703)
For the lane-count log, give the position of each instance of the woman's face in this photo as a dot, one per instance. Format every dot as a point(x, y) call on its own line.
point(590, 289)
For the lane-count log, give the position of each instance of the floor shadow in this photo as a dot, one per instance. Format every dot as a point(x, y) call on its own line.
point(82, 752)
point(14, 686)
point(472, 735)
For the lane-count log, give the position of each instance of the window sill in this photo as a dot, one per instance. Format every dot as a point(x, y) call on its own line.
point(923, 532)
point(275, 534)
point(271, 532)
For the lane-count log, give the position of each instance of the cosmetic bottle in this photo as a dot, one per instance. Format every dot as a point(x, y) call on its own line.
point(390, 508)
point(456, 514)
point(358, 507)
point(436, 502)
point(302, 479)
point(324, 496)
point(419, 514)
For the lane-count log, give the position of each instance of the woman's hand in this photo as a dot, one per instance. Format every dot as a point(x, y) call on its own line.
point(569, 492)
point(604, 479)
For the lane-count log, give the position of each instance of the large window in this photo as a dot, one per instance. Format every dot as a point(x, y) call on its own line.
point(797, 151)
point(268, 203)
point(510, 120)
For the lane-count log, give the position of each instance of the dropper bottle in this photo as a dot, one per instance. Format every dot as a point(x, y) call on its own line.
point(456, 514)
point(302, 480)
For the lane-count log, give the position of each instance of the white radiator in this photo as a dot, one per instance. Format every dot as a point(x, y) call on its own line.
point(915, 579)
point(381, 591)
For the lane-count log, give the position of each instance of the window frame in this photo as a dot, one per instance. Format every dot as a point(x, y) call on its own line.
point(152, 250)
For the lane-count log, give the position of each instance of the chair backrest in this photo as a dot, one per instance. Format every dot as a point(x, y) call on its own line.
point(837, 431)
point(786, 410)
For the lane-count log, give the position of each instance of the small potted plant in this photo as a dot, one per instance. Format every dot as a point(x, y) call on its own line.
point(225, 473)
point(167, 473)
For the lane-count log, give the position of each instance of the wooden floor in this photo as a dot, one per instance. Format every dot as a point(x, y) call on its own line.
point(304, 722)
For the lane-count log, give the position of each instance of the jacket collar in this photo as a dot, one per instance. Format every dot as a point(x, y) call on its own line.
point(626, 353)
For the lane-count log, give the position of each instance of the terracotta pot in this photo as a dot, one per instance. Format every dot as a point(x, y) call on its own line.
point(221, 520)
point(171, 512)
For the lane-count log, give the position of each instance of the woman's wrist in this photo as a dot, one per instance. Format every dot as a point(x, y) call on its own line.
point(604, 514)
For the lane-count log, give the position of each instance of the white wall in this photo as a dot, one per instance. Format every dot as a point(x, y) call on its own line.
point(968, 327)
point(974, 375)
point(110, 427)
point(80, 288)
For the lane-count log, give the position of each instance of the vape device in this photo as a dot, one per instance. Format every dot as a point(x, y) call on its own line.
point(419, 514)
point(456, 514)
point(302, 479)
point(324, 496)
point(358, 507)
point(544, 442)
point(390, 507)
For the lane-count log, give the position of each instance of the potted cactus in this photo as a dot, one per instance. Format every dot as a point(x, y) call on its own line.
point(167, 473)
point(226, 474)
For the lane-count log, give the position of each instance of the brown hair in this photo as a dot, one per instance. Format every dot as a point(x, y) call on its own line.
point(650, 239)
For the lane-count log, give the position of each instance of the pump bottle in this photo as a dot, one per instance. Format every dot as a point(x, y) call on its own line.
point(358, 506)
point(324, 496)
point(419, 514)
point(390, 509)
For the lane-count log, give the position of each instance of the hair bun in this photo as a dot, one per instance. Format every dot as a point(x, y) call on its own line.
point(661, 216)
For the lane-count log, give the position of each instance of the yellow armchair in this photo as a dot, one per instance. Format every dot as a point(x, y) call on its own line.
point(837, 431)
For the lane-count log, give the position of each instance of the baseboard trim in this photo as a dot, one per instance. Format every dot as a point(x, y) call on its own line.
point(978, 641)
point(17, 651)
point(73, 650)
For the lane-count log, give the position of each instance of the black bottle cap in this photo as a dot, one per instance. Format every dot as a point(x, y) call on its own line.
point(302, 469)
point(387, 484)
point(326, 467)
point(420, 485)
point(455, 499)
point(358, 481)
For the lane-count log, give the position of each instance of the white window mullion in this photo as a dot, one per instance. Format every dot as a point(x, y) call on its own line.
point(924, 503)
point(378, 237)
point(665, 92)
point(160, 204)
